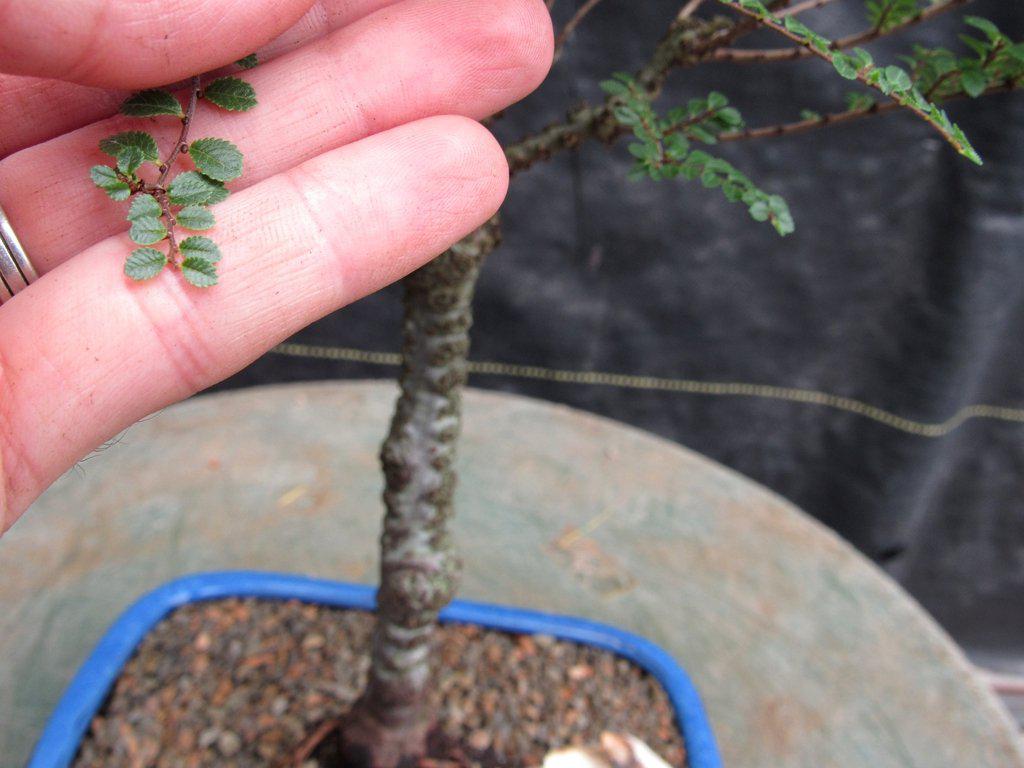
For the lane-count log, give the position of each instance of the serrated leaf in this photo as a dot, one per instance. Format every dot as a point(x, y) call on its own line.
point(144, 207)
point(129, 160)
point(152, 102)
point(147, 230)
point(248, 62)
point(217, 158)
point(144, 263)
point(195, 217)
point(199, 271)
point(201, 248)
point(230, 93)
point(193, 188)
point(120, 142)
point(105, 177)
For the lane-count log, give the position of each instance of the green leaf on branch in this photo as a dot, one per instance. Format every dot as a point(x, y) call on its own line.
point(892, 81)
point(663, 149)
point(856, 100)
point(195, 217)
point(152, 102)
point(144, 263)
point(147, 230)
point(193, 188)
point(132, 141)
point(106, 178)
point(199, 271)
point(230, 93)
point(216, 158)
point(200, 247)
point(129, 160)
point(247, 62)
point(974, 81)
point(144, 207)
point(883, 15)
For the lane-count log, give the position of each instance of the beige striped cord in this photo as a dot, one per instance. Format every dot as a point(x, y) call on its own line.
point(685, 386)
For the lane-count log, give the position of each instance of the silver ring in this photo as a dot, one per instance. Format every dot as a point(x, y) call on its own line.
point(16, 271)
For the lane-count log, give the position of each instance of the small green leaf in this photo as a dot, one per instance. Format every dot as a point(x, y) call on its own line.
point(106, 178)
point(144, 207)
point(809, 114)
point(119, 143)
point(898, 78)
point(193, 188)
point(147, 230)
point(217, 158)
point(199, 271)
point(152, 102)
point(231, 93)
point(991, 30)
point(129, 160)
point(974, 81)
point(201, 248)
point(845, 65)
point(247, 62)
point(144, 263)
point(195, 217)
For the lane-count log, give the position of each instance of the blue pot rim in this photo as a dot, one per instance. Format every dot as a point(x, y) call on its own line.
point(85, 694)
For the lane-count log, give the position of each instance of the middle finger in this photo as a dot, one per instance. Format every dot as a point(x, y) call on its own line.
point(415, 59)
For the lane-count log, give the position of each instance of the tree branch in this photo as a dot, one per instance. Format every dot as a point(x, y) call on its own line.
point(746, 56)
point(837, 118)
point(686, 43)
point(571, 25)
point(186, 123)
point(807, 5)
point(918, 106)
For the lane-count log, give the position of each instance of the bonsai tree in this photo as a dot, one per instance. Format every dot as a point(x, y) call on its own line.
point(388, 725)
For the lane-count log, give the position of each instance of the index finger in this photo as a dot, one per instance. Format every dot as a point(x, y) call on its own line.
point(137, 43)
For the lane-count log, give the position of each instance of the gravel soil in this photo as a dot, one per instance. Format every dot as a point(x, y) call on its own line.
point(245, 682)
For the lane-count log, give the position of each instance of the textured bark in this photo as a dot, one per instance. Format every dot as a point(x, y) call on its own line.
point(389, 724)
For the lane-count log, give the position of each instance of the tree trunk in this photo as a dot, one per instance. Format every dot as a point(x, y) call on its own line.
point(388, 726)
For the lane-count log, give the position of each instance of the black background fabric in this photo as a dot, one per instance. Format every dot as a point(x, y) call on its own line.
point(902, 287)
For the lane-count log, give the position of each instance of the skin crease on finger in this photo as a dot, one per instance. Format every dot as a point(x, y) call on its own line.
point(469, 57)
point(135, 43)
point(47, 108)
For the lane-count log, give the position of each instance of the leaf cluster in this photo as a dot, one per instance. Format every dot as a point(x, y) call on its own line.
point(159, 207)
point(994, 60)
point(664, 147)
point(858, 64)
point(886, 15)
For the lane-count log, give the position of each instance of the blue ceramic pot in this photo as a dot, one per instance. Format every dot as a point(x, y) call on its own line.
point(85, 694)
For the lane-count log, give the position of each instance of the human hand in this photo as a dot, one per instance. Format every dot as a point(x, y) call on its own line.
point(361, 165)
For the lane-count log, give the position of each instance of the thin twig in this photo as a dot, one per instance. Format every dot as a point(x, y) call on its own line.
point(571, 25)
point(308, 746)
point(807, 5)
point(790, 54)
point(859, 75)
point(689, 9)
point(186, 122)
point(687, 43)
point(837, 118)
point(165, 206)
